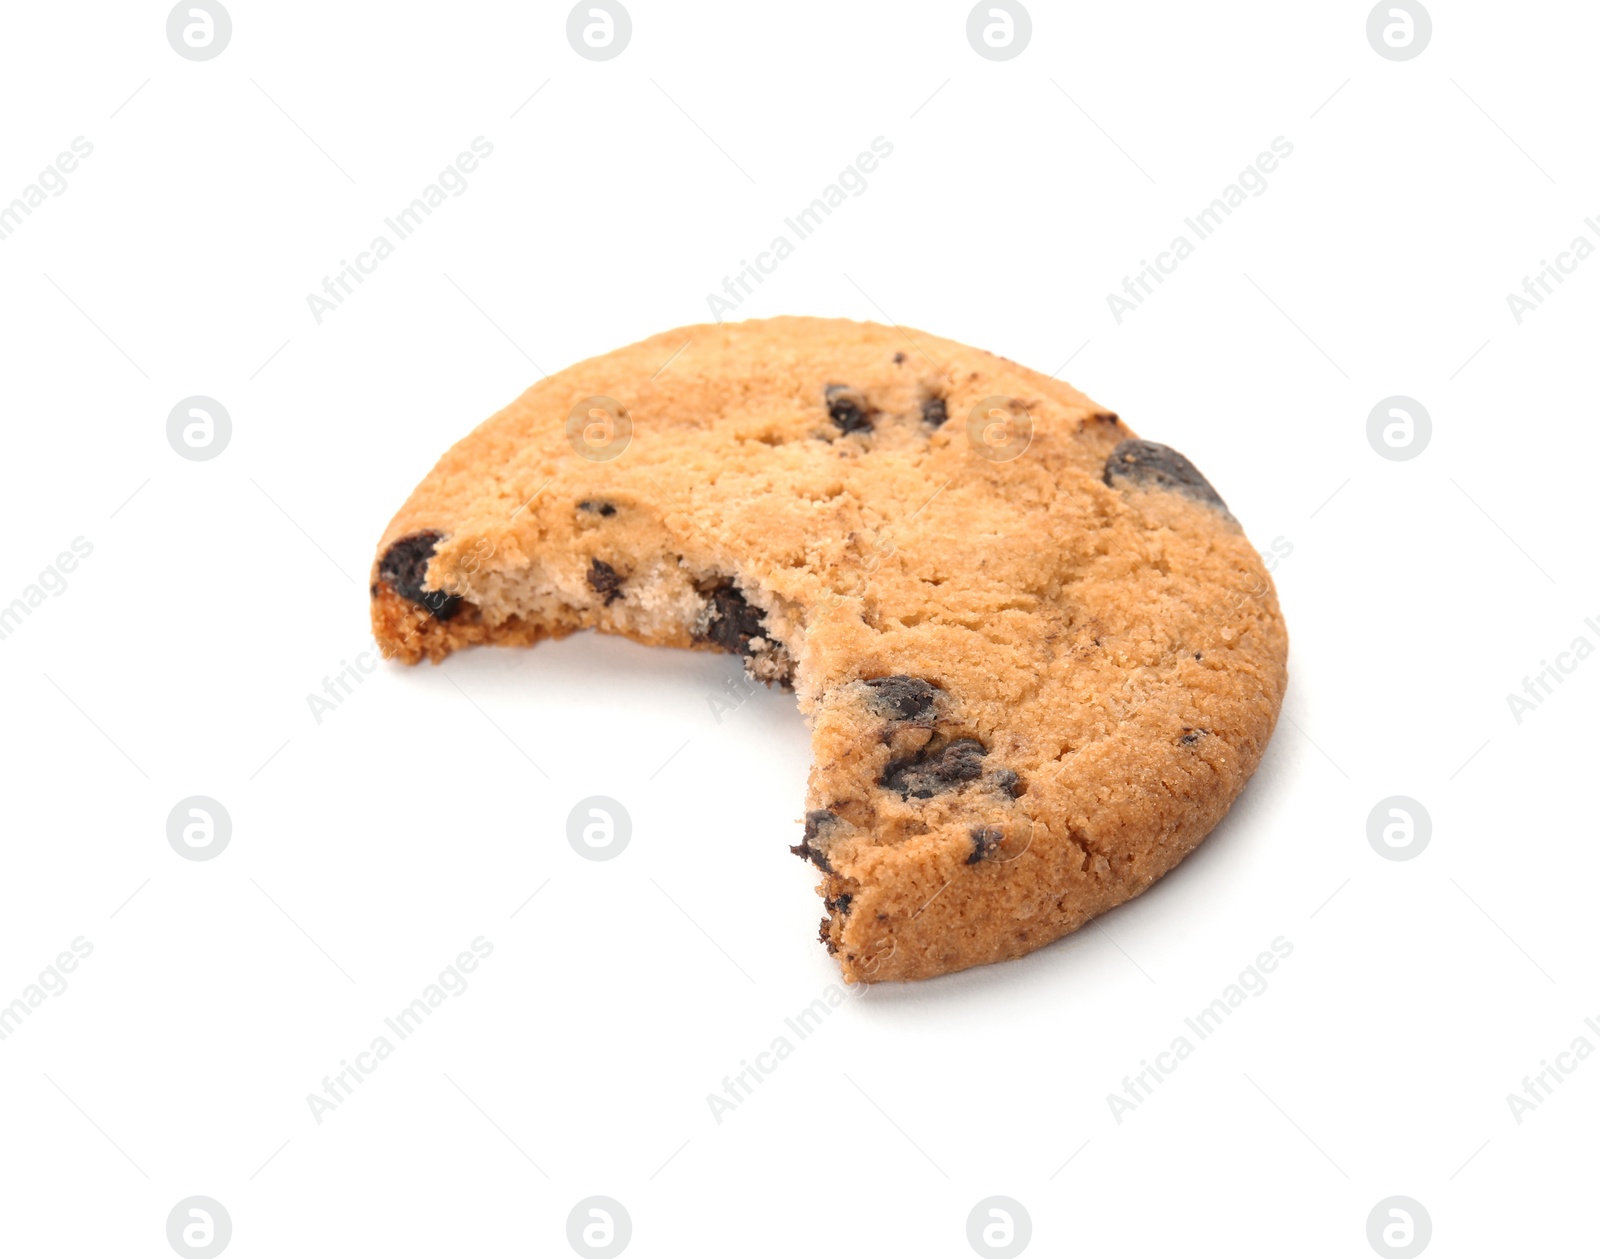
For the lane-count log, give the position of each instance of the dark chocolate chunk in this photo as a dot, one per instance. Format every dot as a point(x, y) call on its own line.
point(934, 412)
point(986, 841)
point(1009, 782)
point(598, 507)
point(818, 821)
point(899, 357)
point(840, 904)
point(603, 580)
point(405, 565)
point(902, 698)
point(847, 409)
point(1191, 737)
point(806, 852)
point(733, 622)
point(1155, 466)
point(929, 773)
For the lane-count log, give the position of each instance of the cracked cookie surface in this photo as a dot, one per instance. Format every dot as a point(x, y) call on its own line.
point(1033, 684)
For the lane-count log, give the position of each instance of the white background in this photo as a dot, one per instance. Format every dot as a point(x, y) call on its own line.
point(369, 849)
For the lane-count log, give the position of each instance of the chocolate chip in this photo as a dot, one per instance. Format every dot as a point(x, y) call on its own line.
point(902, 698)
point(847, 409)
point(806, 852)
point(818, 822)
point(405, 565)
point(732, 622)
point(1191, 737)
point(598, 507)
point(1009, 782)
point(934, 412)
point(899, 357)
point(603, 580)
point(1155, 466)
point(840, 904)
point(929, 773)
point(1198, 656)
point(986, 841)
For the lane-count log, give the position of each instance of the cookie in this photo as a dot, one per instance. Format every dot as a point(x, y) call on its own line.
point(1038, 656)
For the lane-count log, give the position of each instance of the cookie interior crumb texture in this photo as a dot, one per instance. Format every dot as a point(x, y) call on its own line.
point(1033, 685)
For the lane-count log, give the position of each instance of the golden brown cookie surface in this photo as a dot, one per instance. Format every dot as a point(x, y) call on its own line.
point(1038, 657)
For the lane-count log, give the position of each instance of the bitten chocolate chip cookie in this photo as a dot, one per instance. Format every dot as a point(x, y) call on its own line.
point(1038, 656)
